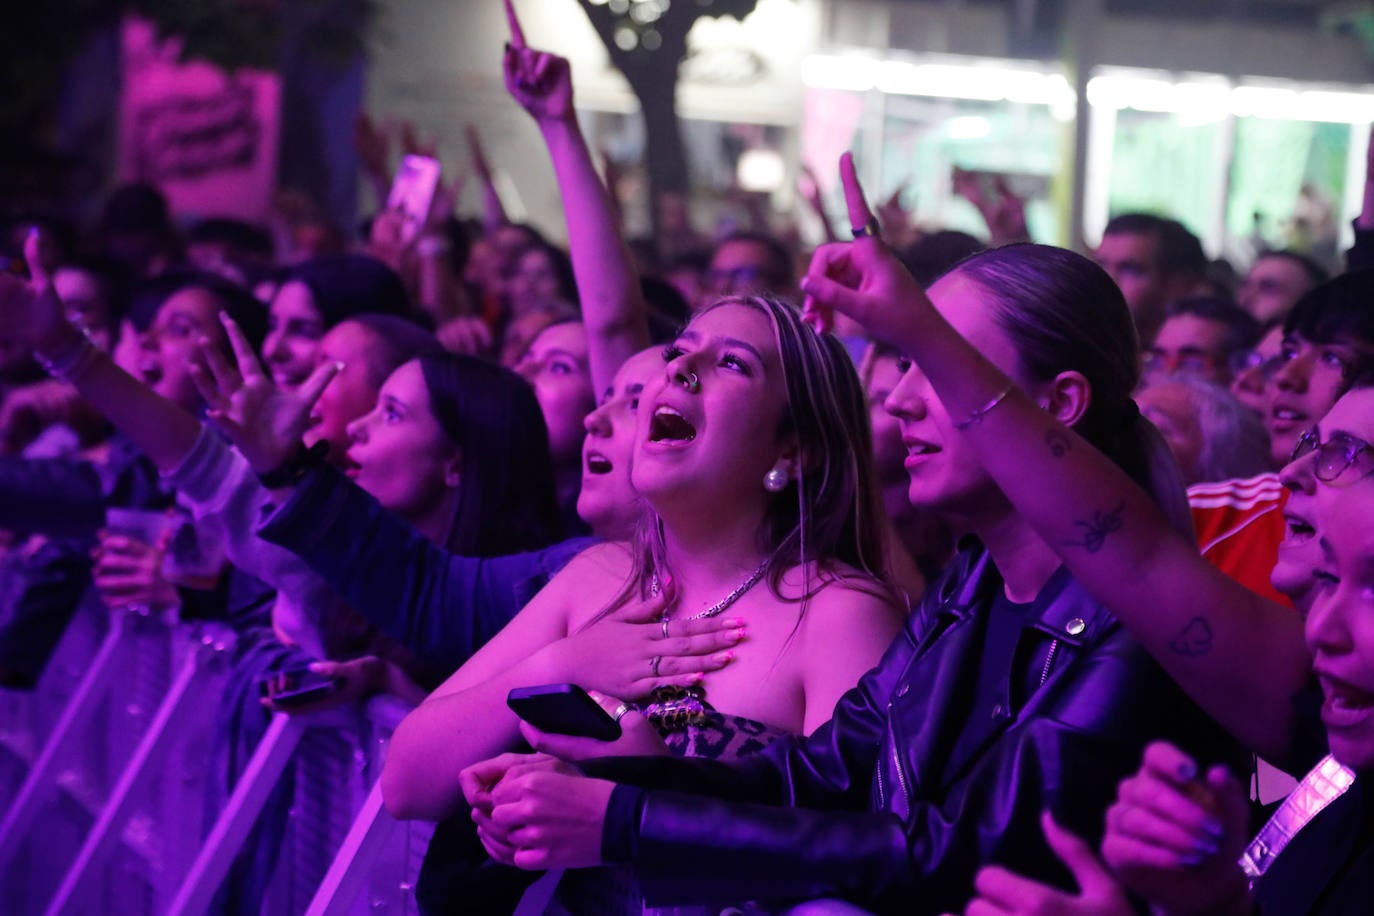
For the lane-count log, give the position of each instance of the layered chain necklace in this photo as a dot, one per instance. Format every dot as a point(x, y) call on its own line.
point(672, 709)
point(720, 606)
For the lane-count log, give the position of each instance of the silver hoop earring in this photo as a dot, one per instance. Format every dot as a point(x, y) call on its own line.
point(775, 480)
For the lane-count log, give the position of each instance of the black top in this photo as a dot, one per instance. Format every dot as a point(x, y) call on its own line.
point(1328, 868)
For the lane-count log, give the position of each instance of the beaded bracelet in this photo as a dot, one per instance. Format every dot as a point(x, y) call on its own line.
point(976, 416)
point(70, 364)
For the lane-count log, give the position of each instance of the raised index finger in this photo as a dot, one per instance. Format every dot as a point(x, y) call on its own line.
point(859, 213)
point(517, 35)
point(249, 367)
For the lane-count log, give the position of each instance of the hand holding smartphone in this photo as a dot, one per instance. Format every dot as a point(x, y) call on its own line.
point(412, 193)
point(563, 709)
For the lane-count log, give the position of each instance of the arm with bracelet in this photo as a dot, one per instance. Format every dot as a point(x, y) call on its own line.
point(1110, 534)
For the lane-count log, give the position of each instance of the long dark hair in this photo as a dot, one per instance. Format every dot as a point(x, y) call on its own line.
point(1063, 312)
point(506, 501)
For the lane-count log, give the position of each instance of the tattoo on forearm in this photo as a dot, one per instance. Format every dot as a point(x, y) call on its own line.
point(1095, 531)
point(1058, 441)
point(1194, 639)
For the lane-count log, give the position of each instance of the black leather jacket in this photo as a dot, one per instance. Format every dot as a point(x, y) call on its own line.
point(870, 809)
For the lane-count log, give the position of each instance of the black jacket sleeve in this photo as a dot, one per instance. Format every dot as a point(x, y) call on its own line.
point(1065, 752)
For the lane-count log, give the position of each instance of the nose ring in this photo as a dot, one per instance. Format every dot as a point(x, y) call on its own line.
point(689, 381)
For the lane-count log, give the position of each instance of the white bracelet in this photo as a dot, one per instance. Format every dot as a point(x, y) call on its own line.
point(976, 416)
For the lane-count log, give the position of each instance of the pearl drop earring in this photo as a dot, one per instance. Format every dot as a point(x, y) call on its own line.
point(775, 480)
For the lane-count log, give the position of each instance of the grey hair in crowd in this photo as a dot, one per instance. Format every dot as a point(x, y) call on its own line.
point(1063, 313)
point(1235, 443)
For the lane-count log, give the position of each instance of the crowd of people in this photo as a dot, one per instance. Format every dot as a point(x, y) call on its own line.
point(920, 572)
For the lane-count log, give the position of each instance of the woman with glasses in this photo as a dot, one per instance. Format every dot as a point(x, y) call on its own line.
point(1296, 373)
point(1177, 836)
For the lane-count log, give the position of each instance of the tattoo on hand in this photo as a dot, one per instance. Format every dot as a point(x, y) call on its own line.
point(1058, 441)
point(1193, 640)
point(1102, 524)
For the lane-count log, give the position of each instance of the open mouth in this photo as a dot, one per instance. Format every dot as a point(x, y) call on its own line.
point(667, 425)
point(1287, 415)
point(917, 449)
point(1344, 701)
point(1299, 530)
point(598, 463)
point(151, 373)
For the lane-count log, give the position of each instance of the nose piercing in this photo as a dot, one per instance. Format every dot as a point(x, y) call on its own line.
point(689, 381)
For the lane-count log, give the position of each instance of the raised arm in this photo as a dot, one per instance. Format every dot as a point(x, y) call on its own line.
point(33, 314)
point(1361, 254)
point(613, 308)
point(493, 211)
point(1240, 657)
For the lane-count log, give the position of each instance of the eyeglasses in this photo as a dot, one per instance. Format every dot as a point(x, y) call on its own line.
point(1246, 360)
point(1334, 455)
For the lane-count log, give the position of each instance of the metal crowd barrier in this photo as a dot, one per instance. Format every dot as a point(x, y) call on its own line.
point(102, 786)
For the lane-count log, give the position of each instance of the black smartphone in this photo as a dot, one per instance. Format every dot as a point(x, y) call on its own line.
point(563, 709)
point(293, 687)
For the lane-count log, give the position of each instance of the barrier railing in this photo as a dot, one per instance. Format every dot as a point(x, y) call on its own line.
point(110, 805)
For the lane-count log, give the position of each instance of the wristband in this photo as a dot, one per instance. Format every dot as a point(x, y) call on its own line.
point(976, 416)
point(294, 468)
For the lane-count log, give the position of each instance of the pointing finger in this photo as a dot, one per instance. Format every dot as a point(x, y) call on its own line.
point(32, 257)
point(517, 35)
point(860, 215)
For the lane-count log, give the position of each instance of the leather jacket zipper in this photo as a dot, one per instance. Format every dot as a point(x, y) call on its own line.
point(896, 766)
point(1049, 660)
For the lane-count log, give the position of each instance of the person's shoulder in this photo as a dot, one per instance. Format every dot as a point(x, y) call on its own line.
point(591, 578)
point(831, 589)
point(605, 556)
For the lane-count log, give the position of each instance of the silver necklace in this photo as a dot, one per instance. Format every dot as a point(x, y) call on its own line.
point(722, 604)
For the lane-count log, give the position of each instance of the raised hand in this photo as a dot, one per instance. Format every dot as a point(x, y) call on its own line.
point(540, 82)
point(863, 278)
point(413, 145)
point(1174, 835)
point(477, 152)
point(1002, 893)
point(625, 654)
point(373, 146)
point(465, 334)
point(31, 313)
point(263, 421)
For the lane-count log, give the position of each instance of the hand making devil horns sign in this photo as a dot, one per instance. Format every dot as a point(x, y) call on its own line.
point(863, 278)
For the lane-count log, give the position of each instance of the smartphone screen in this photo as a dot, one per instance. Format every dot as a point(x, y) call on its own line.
point(412, 192)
